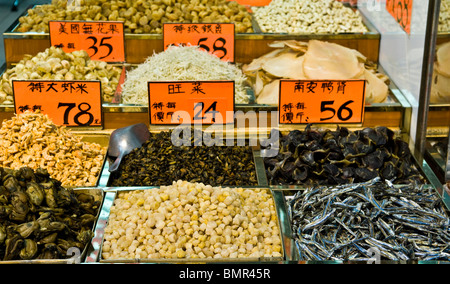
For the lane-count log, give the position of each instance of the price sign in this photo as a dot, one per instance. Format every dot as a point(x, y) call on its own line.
point(401, 10)
point(191, 102)
point(103, 41)
point(217, 39)
point(69, 103)
point(320, 101)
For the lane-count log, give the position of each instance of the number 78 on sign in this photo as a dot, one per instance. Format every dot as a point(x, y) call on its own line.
point(103, 41)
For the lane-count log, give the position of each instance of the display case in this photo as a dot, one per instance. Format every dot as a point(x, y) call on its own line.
point(321, 177)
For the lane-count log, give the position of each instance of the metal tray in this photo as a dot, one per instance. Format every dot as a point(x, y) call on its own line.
point(76, 257)
point(110, 195)
point(258, 161)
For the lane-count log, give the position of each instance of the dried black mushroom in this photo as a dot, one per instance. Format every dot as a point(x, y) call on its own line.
point(313, 156)
point(160, 162)
point(39, 219)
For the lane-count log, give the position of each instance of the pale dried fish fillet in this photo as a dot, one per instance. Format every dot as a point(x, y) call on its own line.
point(376, 90)
point(286, 65)
point(269, 95)
point(330, 61)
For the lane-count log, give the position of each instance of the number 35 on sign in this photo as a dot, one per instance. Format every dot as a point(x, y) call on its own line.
point(103, 41)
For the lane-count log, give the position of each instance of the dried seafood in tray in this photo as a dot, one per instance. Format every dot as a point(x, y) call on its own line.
point(313, 60)
point(39, 219)
point(32, 140)
point(192, 221)
point(325, 157)
point(159, 162)
point(355, 222)
point(55, 64)
point(139, 17)
point(179, 63)
point(306, 16)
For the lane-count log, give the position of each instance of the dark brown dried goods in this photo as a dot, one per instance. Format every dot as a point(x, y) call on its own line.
point(158, 162)
point(315, 157)
point(39, 219)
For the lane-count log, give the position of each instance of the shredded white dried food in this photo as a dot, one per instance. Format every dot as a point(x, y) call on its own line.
point(177, 63)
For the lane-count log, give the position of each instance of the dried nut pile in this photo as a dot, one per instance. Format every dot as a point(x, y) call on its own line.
point(55, 64)
point(444, 16)
point(32, 140)
point(139, 17)
point(192, 220)
point(181, 63)
point(158, 162)
point(308, 16)
point(39, 219)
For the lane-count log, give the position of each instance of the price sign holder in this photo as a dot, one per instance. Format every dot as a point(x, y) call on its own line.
point(401, 10)
point(67, 103)
point(103, 40)
point(216, 38)
point(321, 101)
point(191, 102)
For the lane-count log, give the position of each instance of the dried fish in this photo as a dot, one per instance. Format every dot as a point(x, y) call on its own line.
point(313, 60)
point(344, 222)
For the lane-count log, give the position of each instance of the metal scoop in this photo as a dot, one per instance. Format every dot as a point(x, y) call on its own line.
point(124, 140)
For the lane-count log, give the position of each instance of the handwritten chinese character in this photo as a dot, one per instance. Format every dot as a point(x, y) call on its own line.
point(311, 86)
point(51, 86)
point(327, 86)
point(101, 28)
point(67, 87)
point(341, 87)
point(178, 28)
point(87, 29)
point(207, 29)
point(159, 105)
point(288, 107)
point(24, 108)
point(74, 28)
point(81, 88)
point(113, 29)
point(159, 116)
point(62, 28)
point(171, 105)
point(299, 87)
point(37, 107)
point(36, 86)
point(218, 29)
point(175, 89)
point(193, 29)
point(300, 105)
point(288, 117)
point(197, 88)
